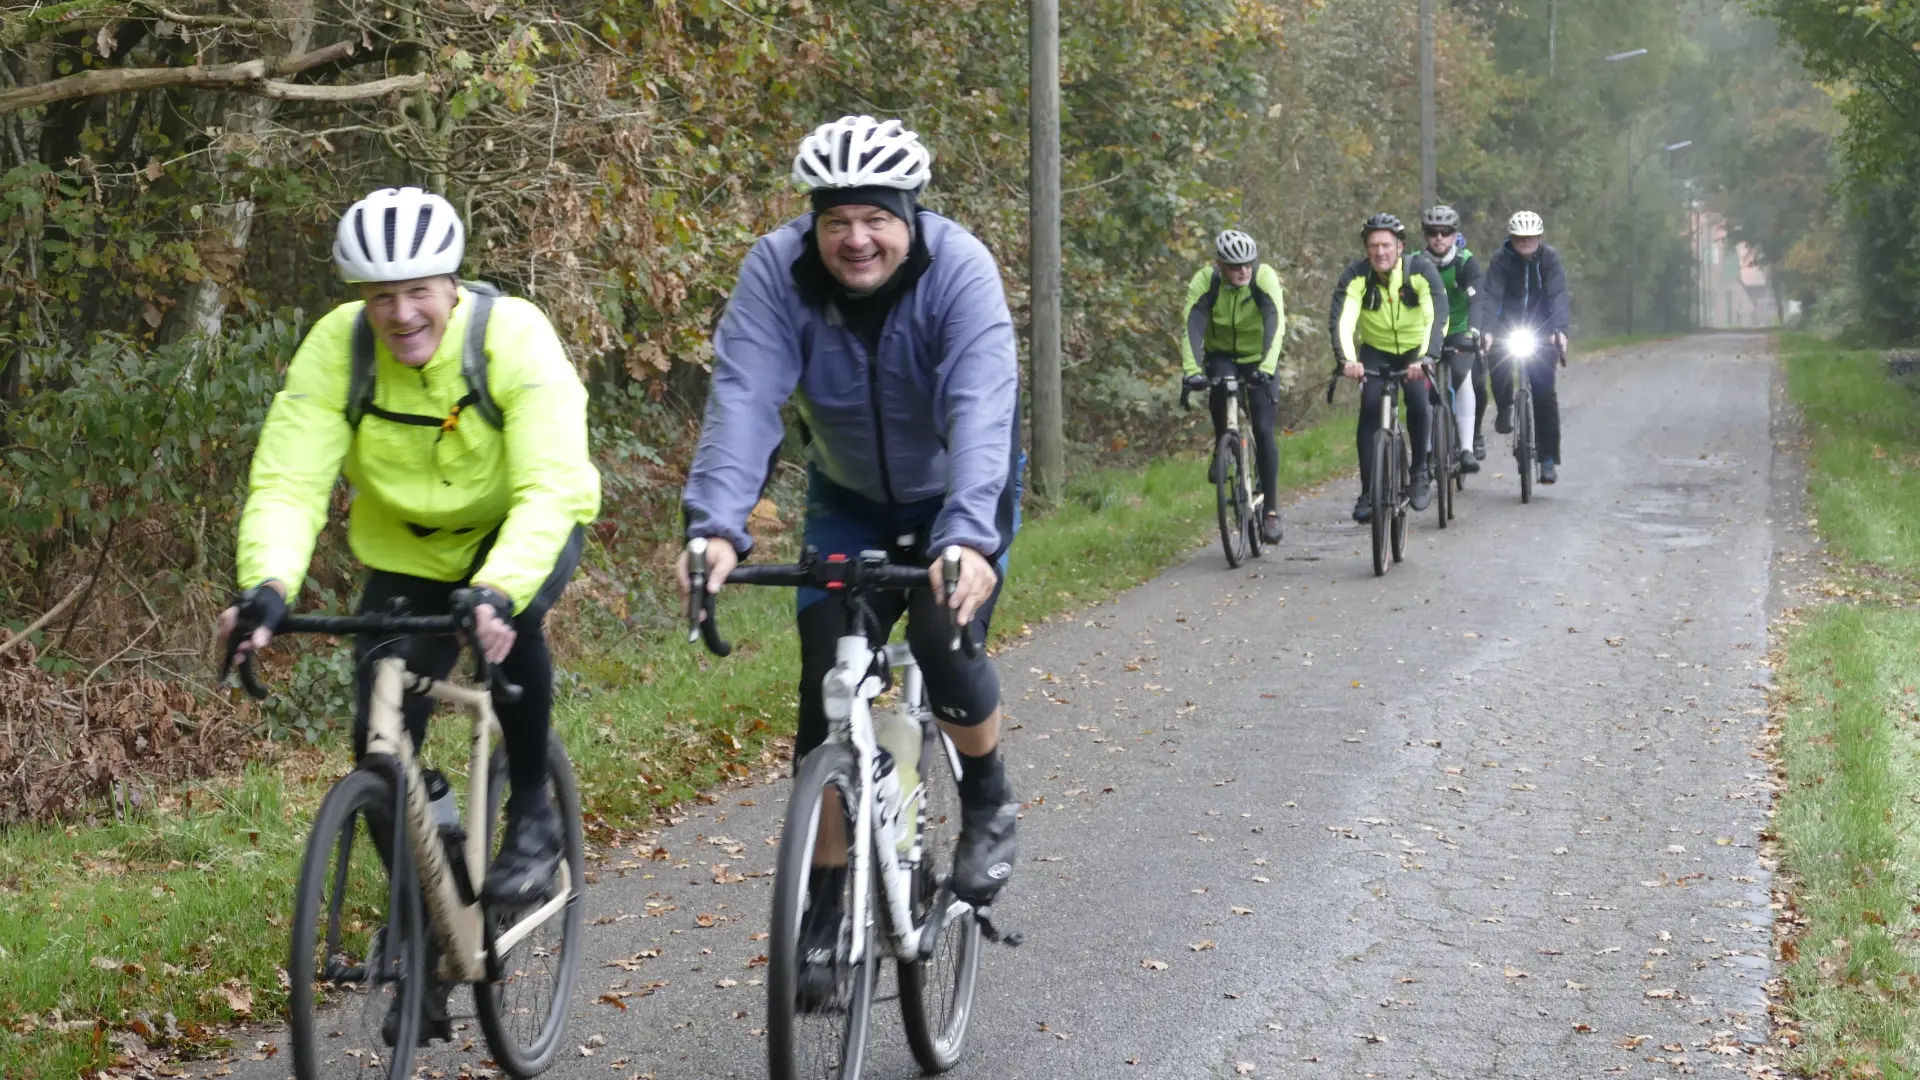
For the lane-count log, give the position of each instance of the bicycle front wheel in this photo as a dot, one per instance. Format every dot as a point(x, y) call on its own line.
point(357, 968)
point(1382, 503)
point(1227, 500)
point(936, 994)
point(524, 1013)
point(817, 1005)
point(1523, 444)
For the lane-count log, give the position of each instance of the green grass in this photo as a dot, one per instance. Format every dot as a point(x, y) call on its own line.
point(1863, 486)
point(1850, 823)
point(1849, 693)
point(103, 924)
point(1617, 341)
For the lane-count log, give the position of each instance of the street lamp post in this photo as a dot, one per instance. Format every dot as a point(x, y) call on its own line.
point(1633, 246)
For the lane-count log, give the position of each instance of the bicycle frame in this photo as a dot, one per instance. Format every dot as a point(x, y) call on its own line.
point(458, 920)
point(848, 693)
point(1247, 467)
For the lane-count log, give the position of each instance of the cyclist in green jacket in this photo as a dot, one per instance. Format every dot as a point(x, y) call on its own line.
point(1460, 272)
point(452, 513)
point(1236, 320)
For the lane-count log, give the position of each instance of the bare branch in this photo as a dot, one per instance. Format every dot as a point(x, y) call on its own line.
point(248, 77)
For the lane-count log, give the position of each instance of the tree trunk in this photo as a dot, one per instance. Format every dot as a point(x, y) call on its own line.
point(223, 245)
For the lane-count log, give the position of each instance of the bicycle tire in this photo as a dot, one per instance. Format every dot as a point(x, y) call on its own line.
point(1523, 444)
point(1383, 481)
point(1233, 533)
point(1249, 516)
point(1440, 464)
point(323, 1045)
point(527, 1058)
point(830, 764)
point(1404, 470)
point(936, 994)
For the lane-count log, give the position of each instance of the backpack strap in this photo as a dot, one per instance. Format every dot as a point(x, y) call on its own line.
point(360, 375)
point(473, 356)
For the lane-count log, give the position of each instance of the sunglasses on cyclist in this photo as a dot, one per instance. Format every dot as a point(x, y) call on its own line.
point(1439, 232)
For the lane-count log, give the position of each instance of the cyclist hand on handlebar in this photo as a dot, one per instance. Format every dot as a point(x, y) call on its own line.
point(1194, 382)
point(1354, 370)
point(721, 559)
point(261, 607)
point(977, 582)
point(488, 609)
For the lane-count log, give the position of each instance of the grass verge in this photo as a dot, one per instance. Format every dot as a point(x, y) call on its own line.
point(1848, 702)
point(173, 923)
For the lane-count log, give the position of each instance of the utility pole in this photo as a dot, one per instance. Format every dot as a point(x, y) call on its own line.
point(1043, 180)
point(1429, 185)
point(1553, 35)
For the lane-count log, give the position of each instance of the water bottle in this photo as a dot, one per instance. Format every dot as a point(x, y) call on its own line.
point(900, 738)
point(886, 789)
point(445, 813)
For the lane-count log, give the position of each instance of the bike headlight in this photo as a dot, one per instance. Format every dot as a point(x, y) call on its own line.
point(1522, 344)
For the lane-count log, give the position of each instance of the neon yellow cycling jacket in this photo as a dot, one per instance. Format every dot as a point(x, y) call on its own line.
point(1248, 321)
point(425, 498)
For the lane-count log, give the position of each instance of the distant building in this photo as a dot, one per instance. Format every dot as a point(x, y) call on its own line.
point(1732, 288)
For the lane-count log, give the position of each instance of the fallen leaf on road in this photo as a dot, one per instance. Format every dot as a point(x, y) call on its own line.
point(1632, 1042)
point(1571, 985)
point(1668, 993)
point(1262, 880)
point(1512, 972)
point(726, 984)
point(1154, 965)
point(1201, 946)
point(1584, 1029)
point(1616, 642)
point(1133, 1060)
point(1559, 851)
point(1243, 911)
point(1244, 1068)
point(705, 919)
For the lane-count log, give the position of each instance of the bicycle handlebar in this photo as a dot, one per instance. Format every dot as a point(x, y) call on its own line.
point(379, 623)
point(834, 573)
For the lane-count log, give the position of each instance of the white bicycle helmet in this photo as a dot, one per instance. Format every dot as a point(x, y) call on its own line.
point(1525, 223)
point(399, 234)
point(859, 151)
point(1235, 248)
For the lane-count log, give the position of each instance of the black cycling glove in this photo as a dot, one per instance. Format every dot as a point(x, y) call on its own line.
point(1195, 382)
point(259, 606)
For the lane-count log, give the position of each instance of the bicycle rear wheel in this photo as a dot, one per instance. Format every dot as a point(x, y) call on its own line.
point(356, 955)
point(1227, 499)
point(936, 994)
point(1523, 444)
point(823, 1037)
point(1403, 469)
point(1250, 513)
point(1382, 502)
point(524, 1013)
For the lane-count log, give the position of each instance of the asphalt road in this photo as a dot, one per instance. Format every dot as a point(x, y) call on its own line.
point(1494, 815)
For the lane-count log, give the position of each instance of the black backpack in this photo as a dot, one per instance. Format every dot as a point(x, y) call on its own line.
point(473, 366)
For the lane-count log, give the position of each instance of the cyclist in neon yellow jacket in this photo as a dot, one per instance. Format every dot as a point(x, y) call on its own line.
point(1384, 319)
point(471, 482)
point(1236, 321)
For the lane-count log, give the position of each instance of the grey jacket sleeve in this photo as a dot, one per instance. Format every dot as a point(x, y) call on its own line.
point(756, 364)
point(1553, 278)
point(1437, 296)
point(977, 397)
point(1470, 278)
point(1485, 313)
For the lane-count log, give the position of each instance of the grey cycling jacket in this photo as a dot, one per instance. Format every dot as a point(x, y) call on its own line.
point(932, 414)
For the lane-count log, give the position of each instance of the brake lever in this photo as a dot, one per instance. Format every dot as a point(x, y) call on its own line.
point(244, 669)
point(701, 623)
point(949, 577)
point(1186, 400)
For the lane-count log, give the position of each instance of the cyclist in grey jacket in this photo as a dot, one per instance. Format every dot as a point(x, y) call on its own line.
point(888, 328)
